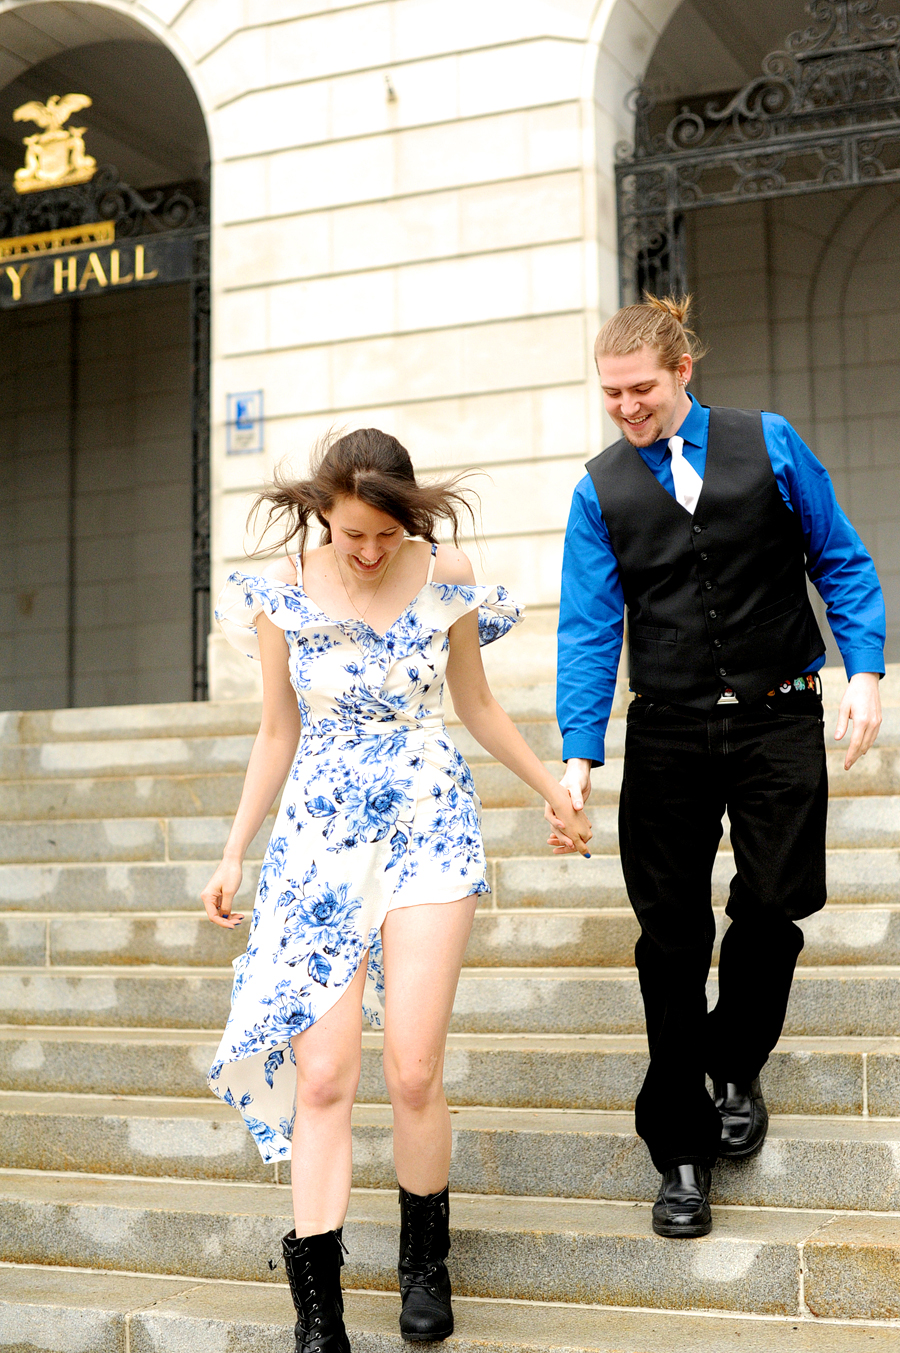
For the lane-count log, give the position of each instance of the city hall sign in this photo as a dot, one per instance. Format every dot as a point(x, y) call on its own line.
point(104, 234)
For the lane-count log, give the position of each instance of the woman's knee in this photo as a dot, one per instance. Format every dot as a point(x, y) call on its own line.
point(326, 1085)
point(413, 1084)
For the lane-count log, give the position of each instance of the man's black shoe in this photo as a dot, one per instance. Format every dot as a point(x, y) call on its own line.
point(745, 1119)
point(682, 1208)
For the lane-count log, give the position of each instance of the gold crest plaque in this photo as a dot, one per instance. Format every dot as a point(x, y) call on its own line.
point(55, 156)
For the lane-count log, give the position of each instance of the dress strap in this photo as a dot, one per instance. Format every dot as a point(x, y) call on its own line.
point(431, 564)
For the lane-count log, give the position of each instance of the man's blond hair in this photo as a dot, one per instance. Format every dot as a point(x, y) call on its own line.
point(657, 322)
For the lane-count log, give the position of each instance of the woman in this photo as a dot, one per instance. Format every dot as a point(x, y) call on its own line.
point(368, 888)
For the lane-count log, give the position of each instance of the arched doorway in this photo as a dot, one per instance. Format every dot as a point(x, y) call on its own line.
point(104, 327)
point(778, 205)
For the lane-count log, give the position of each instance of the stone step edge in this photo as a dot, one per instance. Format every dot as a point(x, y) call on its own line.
point(857, 1044)
point(119, 1300)
point(149, 971)
point(188, 1191)
point(516, 1247)
point(107, 722)
point(78, 1104)
point(583, 913)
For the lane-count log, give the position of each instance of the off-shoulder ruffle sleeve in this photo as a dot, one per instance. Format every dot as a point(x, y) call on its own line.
point(497, 612)
point(246, 594)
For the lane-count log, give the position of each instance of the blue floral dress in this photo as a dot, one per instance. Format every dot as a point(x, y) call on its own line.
point(379, 811)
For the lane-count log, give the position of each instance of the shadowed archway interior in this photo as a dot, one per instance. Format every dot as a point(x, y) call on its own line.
point(796, 296)
point(97, 525)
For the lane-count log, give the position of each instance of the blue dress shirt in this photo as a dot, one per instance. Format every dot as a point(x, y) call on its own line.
point(592, 604)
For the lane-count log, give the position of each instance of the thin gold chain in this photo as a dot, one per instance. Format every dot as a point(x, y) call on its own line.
point(362, 614)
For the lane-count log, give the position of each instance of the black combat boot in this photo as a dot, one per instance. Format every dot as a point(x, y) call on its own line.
point(424, 1280)
point(313, 1266)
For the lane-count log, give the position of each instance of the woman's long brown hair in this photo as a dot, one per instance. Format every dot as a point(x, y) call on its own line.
point(369, 465)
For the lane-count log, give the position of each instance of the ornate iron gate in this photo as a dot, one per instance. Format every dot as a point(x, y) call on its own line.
point(824, 114)
point(76, 241)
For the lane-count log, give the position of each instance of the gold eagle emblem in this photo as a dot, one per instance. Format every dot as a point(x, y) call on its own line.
point(55, 156)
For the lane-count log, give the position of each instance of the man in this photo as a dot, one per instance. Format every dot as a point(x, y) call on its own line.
point(705, 523)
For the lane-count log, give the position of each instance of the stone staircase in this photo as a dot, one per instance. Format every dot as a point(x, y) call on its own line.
point(137, 1216)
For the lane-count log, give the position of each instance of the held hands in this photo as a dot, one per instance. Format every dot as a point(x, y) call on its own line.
point(571, 829)
point(218, 894)
point(861, 705)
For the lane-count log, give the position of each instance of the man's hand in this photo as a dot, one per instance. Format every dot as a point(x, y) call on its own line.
point(577, 780)
point(861, 705)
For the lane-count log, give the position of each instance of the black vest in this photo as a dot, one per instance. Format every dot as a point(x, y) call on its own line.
point(718, 599)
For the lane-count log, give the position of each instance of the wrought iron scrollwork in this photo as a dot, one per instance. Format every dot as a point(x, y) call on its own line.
point(105, 198)
point(824, 113)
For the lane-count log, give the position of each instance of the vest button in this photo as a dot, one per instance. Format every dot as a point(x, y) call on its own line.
point(722, 672)
point(708, 586)
point(712, 615)
point(696, 530)
point(704, 555)
point(717, 643)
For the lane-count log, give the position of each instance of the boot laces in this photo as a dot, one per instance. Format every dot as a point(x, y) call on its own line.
point(310, 1313)
point(418, 1268)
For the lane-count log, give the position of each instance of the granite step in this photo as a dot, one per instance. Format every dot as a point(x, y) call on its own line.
point(523, 701)
point(119, 757)
point(850, 1077)
point(855, 877)
point(212, 793)
point(529, 937)
point(853, 823)
point(204, 783)
point(123, 887)
point(210, 718)
point(853, 1002)
point(832, 1163)
point(50, 1309)
point(758, 1260)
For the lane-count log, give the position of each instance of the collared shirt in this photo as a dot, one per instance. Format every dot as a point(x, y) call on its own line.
point(592, 603)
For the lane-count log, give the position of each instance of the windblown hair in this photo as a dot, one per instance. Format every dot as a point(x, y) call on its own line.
point(658, 322)
point(369, 465)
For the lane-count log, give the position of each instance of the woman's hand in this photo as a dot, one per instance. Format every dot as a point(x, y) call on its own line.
point(576, 786)
point(218, 894)
point(571, 829)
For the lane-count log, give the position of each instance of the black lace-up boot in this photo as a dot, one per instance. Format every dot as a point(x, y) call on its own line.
point(313, 1265)
point(424, 1280)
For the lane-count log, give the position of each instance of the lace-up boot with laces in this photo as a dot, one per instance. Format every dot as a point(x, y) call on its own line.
point(313, 1265)
point(424, 1280)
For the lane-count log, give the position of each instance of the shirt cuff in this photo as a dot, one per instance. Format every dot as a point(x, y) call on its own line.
point(864, 660)
point(585, 746)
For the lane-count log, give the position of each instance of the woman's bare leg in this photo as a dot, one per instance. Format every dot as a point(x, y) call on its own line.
point(328, 1066)
point(423, 953)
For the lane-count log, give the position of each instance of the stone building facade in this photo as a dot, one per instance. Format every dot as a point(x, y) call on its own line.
point(413, 225)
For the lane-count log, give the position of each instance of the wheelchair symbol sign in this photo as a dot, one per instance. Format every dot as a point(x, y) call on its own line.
point(245, 423)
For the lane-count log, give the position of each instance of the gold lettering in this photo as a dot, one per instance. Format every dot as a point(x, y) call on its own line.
point(139, 274)
point(71, 265)
point(93, 268)
point(15, 276)
point(114, 276)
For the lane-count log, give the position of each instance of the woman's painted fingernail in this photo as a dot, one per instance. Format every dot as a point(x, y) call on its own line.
point(587, 854)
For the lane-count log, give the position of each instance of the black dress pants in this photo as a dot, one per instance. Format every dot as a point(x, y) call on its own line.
point(765, 764)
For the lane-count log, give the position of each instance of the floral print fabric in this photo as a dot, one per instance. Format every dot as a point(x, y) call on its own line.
point(379, 811)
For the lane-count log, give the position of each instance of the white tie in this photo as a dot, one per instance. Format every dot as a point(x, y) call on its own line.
point(686, 479)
